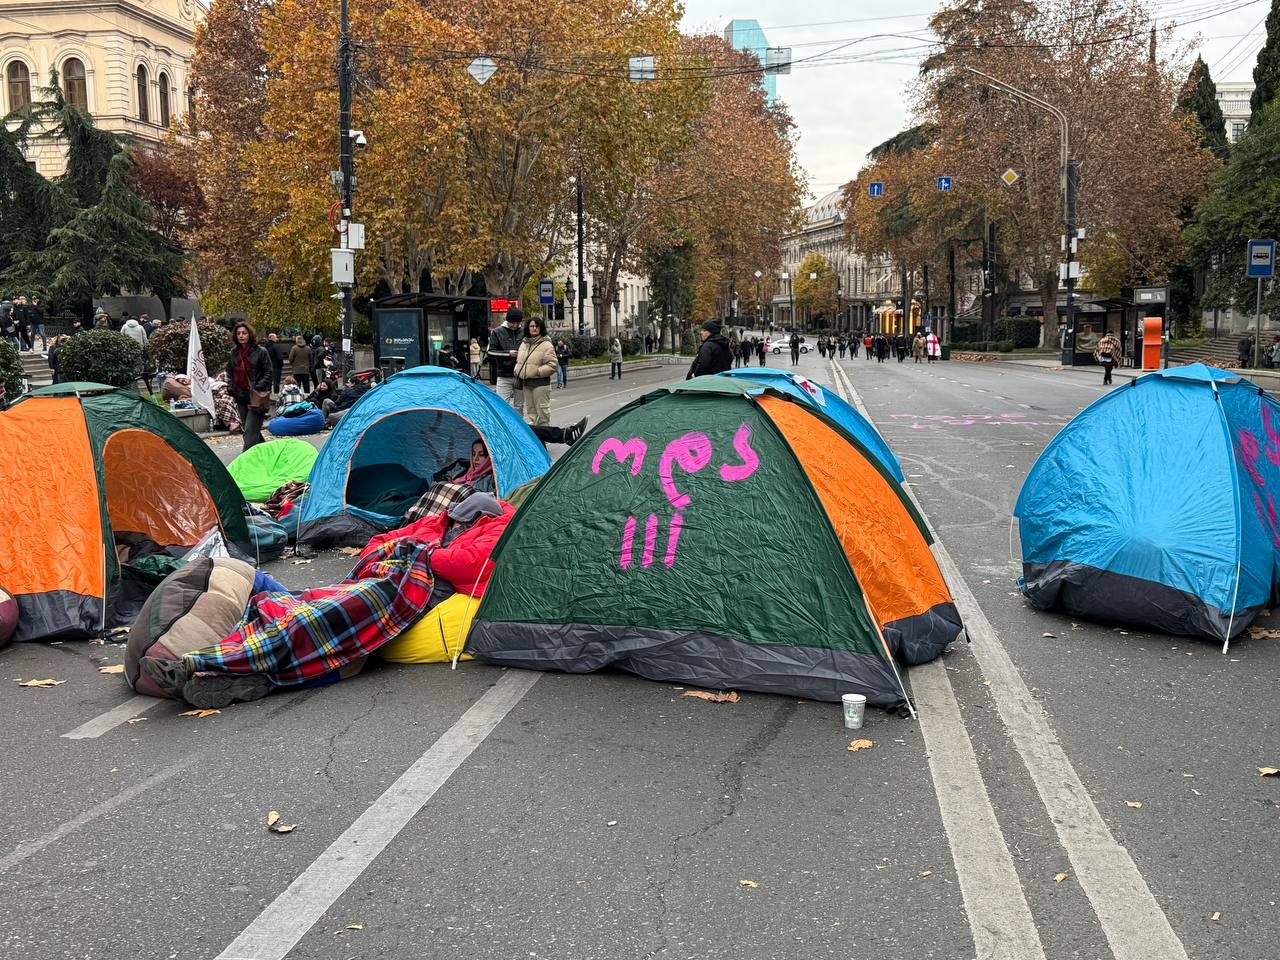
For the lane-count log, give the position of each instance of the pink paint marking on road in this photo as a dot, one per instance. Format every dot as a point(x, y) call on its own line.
point(633, 450)
point(692, 452)
point(673, 539)
point(628, 538)
point(750, 462)
point(650, 538)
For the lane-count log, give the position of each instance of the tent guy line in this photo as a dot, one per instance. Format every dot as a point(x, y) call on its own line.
point(1132, 921)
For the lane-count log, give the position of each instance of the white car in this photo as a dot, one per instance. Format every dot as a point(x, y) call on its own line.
point(777, 346)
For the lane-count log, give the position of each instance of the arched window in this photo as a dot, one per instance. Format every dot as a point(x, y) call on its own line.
point(74, 85)
point(144, 112)
point(164, 99)
point(19, 78)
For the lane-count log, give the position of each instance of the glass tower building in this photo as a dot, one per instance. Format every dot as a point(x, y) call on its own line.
point(747, 35)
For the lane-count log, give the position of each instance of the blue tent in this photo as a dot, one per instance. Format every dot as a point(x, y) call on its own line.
point(829, 403)
point(1156, 506)
point(381, 456)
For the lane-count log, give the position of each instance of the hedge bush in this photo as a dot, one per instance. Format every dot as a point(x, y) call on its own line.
point(167, 347)
point(1023, 331)
point(584, 348)
point(10, 371)
point(1005, 346)
point(102, 356)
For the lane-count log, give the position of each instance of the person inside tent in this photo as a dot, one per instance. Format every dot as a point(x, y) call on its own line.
point(476, 472)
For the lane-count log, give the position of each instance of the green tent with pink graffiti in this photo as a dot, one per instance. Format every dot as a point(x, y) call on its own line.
point(718, 532)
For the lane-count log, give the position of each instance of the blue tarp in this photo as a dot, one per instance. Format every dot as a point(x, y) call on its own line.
point(829, 403)
point(414, 424)
point(1155, 506)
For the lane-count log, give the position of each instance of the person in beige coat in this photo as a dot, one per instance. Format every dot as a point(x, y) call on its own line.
point(535, 365)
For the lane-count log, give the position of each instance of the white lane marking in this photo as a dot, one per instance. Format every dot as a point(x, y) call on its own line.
point(112, 718)
point(1135, 926)
point(24, 851)
point(999, 916)
point(994, 902)
point(287, 919)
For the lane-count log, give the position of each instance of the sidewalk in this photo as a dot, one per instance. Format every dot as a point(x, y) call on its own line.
point(1269, 380)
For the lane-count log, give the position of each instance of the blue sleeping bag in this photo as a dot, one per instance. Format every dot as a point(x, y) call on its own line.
point(309, 421)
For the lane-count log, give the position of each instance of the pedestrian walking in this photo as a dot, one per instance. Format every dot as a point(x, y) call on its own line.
point(869, 342)
point(762, 351)
point(795, 348)
point(1107, 352)
point(35, 312)
point(55, 347)
point(133, 330)
point(249, 381)
point(900, 347)
point(853, 346)
point(535, 363)
point(1245, 351)
point(615, 359)
point(648, 343)
point(474, 355)
point(882, 348)
point(713, 355)
point(917, 348)
point(932, 347)
point(277, 353)
point(301, 363)
point(9, 324)
point(563, 356)
point(504, 347)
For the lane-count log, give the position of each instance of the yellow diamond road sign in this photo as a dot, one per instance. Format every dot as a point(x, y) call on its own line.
point(1010, 177)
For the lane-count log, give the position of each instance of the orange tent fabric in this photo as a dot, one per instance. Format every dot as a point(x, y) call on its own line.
point(890, 558)
point(55, 536)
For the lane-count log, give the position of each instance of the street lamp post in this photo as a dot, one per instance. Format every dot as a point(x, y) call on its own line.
point(791, 296)
point(1069, 178)
point(570, 294)
point(617, 308)
point(812, 278)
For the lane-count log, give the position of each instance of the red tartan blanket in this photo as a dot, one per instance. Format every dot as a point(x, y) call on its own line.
point(299, 639)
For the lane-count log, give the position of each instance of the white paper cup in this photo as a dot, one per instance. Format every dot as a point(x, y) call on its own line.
point(855, 707)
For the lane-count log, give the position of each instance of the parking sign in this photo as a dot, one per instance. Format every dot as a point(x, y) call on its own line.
point(546, 292)
point(1262, 259)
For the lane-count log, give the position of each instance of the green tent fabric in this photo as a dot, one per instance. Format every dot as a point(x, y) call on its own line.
point(266, 467)
point(684, 541)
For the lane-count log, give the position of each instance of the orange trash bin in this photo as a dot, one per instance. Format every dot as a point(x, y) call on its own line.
point(1152, 340)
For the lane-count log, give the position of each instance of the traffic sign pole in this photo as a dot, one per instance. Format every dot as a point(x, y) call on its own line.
point(1260, 261)
point(1257, 326)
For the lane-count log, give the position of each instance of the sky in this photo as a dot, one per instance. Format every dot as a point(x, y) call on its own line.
point(843, 109)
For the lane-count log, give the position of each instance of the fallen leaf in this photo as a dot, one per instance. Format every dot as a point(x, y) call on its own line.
point(40, 683)
point(274, 824)
point(1047, 634)
point(298, 563)
point(1075, 626)
point(355, 926)
point(926, 873)
point(748, 883)
point(136, 720)
point(856, 745)
point(350, 551)
point(198, 713)
point(1263, 633)
point(1269, 771)
point(728, 696)
point(1217, 915)
point(1136, 804)
point(115, 668)
point(1059, 877)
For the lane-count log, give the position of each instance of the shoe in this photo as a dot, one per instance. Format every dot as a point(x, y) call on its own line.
point(212, 691)
point(574, 433)
point(168, 675)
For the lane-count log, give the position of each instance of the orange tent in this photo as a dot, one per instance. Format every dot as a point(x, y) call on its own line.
point(104, 468)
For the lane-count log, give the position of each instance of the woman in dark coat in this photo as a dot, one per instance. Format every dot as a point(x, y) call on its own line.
point(249, 369)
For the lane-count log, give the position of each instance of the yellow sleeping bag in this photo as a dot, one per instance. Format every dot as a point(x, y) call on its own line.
point(437, 636)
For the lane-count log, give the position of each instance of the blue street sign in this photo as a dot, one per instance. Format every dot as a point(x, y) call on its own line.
point(1262, 259)
point(546, 292)
point(875, 188)
point(944, 184)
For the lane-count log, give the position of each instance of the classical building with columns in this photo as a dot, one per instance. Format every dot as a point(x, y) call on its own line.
point(863, 282)
point(124, 61)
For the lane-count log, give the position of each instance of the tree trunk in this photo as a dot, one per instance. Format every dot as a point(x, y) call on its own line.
point(1049, 303)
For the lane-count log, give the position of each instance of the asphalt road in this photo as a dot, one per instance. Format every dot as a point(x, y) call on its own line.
point(605, 816)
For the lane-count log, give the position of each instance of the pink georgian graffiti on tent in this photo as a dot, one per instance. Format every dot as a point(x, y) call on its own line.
point(691, 452)
point(1249, 451)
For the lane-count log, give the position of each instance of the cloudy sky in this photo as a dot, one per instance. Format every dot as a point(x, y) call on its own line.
point(843, 107)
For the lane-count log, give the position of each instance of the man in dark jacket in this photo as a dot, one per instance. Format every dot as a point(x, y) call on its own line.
point(795, 348)
point(278, 352)
point(714, 355)
point(504, 344)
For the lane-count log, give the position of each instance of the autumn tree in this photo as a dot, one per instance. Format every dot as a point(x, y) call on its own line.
point(1100, 67)
point(815, 286)
point(1266, 72)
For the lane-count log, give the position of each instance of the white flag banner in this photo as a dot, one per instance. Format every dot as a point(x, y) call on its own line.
point(201, 389)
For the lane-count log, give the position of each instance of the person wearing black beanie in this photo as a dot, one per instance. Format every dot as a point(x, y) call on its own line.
point(714, 355)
